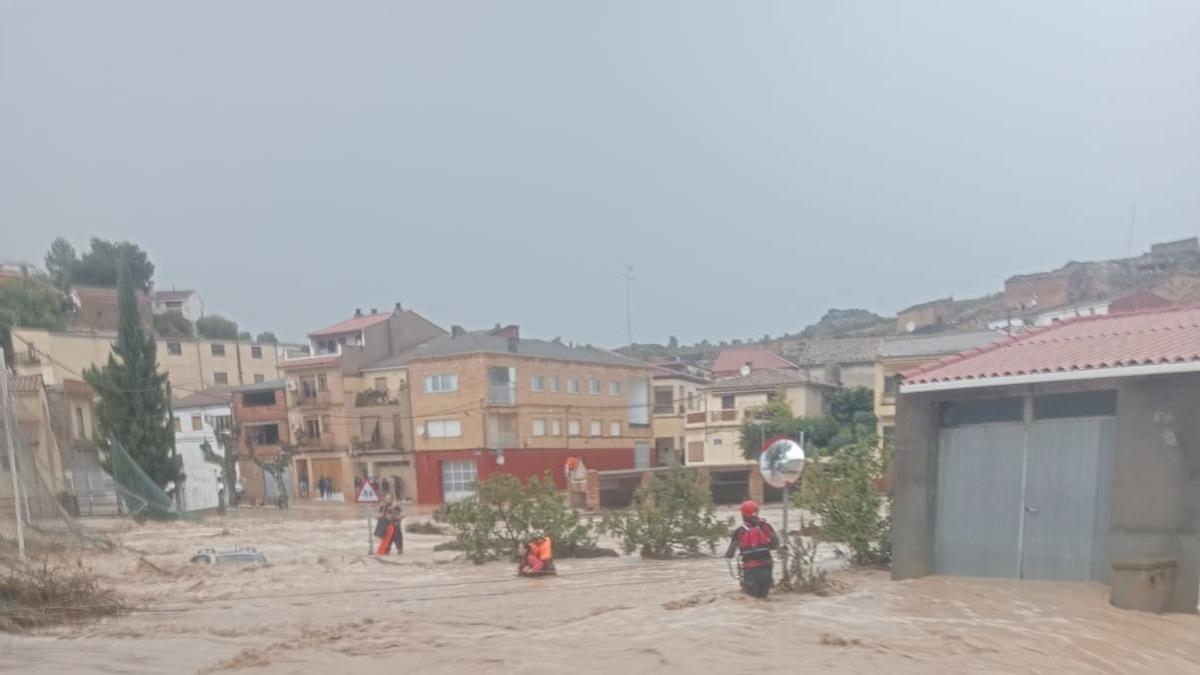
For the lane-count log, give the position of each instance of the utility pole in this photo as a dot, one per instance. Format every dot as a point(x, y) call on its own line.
point(628, 274)
point(174, 452)
point(10, 436)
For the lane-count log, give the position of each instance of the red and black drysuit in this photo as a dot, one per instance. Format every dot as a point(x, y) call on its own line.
point(755, 540)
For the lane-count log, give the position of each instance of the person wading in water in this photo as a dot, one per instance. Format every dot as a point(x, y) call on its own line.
point(754, 539)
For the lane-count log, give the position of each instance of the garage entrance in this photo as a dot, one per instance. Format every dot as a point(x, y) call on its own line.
point(1024, 485)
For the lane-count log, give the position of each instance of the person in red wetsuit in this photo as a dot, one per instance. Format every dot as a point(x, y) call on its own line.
point(755, 539)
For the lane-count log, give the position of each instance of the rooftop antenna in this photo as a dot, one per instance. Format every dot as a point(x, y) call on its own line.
point(628, 274)
point(1132, 222)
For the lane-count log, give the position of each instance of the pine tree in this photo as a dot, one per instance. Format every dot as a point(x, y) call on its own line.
point(133, 394)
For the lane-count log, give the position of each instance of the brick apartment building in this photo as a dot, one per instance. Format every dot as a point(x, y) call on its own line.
point(260, 412)
point(347, 403)
point(491, 401)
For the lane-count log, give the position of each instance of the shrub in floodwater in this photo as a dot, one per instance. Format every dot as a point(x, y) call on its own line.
point(675, 515)
point(803, 575)
point(844, 492)
point(33, 596)
point(497, 521)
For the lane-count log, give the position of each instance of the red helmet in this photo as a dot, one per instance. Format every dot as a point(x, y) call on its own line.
point(749, 508)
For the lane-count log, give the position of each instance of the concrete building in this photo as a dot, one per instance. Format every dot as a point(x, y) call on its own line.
point(898, 354)
point(187, 303)
point(36, 436)
point(192, 364)
point(930, 314)
point(198, 419)
point(492, 401)
point(15, 269)
point(712, 433)
point(676, 393)
point(1061, 454)
point(348, 404)
point(261, 423)
point(73, 419)
point(730, 362)
point(96, 309)
point(849, 362)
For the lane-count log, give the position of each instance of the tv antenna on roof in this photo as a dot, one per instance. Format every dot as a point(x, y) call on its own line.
point(628, 274)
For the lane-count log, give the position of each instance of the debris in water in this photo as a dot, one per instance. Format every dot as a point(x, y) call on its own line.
point(239, 556)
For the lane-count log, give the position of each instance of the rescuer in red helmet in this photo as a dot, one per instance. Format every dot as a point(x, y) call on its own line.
point(754, 539)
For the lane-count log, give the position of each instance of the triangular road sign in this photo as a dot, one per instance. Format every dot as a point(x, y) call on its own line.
point(367, 494)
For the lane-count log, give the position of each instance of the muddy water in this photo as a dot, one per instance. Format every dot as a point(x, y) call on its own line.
point(321, 606)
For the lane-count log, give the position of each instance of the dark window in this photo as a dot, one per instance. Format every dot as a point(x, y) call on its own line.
point(258, 398)
point(259, 377)
point(1082, 404)
point(256, 352)
point(220, 378)
point(891, 384)
point(174, 348)
point(983, 411)
point(727, 402)
point(267, 434)
point(218, 350)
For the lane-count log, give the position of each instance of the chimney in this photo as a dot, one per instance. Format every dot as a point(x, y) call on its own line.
point(398, 309)
point(374, 311)
point(457, 331)
point(512, 343)
point(510, 331)
point(357, 311)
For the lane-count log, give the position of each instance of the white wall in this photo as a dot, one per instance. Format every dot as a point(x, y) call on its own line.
point(201, 488)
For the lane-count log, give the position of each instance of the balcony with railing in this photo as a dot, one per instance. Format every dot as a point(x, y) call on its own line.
point(726, 415)
point(696, 418)
point(502, 394)
point(502, 432)
point(312, 399)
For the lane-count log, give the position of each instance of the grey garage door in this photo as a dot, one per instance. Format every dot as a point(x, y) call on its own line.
point(978, 500)
point(1067, 499)
point(1026, 500)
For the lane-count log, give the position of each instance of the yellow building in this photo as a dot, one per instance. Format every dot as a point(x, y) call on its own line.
point(191, 364)
point(713, 432)
point(898, 354)
point(676, 393)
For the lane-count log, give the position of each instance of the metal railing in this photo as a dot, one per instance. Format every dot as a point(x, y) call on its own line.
point(502, 394)
point(723, 415)
point(318, 399)
point(499, 440)
point(696, 418)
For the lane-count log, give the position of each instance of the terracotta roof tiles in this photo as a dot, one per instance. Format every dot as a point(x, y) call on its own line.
point(1088, 343)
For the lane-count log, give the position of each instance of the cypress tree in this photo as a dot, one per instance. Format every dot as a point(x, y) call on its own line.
point(133, 394)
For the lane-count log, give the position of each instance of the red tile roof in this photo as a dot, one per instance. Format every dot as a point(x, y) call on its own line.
point(1152, 337)
point(730, 361)
point(1138, 301)
point(352, 324)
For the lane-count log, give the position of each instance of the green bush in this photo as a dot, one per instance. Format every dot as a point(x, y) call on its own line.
point(674, 516)
point(844, 491)
point(498, 520)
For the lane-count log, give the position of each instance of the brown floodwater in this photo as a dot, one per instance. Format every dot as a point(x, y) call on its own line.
point(321, 606)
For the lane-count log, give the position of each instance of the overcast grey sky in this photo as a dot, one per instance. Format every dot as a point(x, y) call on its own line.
point(484, 160)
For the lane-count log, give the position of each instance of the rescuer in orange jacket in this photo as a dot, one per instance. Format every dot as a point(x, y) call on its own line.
point(538, 557)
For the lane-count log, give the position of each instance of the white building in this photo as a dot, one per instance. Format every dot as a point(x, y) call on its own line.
point(198, 419)
point(187, 303)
